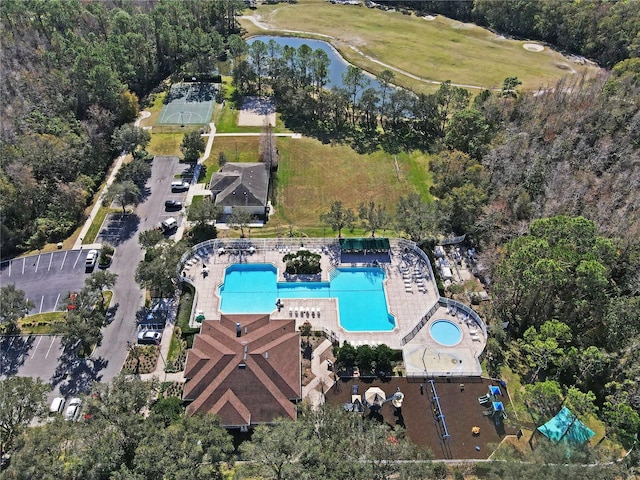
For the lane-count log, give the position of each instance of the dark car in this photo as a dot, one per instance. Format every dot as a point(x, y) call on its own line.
point(173, 205)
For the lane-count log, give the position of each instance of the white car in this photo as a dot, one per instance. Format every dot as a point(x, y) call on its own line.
point(149, 337)
point(92, 258)
point(179, 185)
point(73, 410)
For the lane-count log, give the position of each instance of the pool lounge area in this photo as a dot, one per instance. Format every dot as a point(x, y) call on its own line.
point(409, 291)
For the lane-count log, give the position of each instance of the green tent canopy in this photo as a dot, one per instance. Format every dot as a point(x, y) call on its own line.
point(566, 427)
point(365, 245)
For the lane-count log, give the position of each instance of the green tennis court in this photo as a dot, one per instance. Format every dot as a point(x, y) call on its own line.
point(188, 104)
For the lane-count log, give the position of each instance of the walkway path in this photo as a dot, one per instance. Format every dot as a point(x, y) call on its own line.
point(264, 26)
point(314, 391)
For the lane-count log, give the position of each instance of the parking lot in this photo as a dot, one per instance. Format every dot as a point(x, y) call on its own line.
point(46, 278)
point(33, 355)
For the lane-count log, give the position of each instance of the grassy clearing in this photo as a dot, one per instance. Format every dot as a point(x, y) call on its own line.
point(96, 224)
point(165, 144)
point(311, 176)
point(155, 108)
point(442, 49)
point(174, 349)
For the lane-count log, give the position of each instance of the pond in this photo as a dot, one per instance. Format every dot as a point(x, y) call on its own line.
point(338, 64)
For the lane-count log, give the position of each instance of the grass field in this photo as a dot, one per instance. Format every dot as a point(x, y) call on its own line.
point(311, 176)
point(442, 49)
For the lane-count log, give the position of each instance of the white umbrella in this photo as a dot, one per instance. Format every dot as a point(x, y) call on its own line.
point(375, 396)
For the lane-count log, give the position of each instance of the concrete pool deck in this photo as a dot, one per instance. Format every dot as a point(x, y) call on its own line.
point(410, 292)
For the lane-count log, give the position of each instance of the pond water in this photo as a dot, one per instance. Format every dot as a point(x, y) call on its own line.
point(338, 64)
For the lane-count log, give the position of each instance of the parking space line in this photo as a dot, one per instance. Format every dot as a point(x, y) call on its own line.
point(37, 345)
point(10, 263)
point(65, 257)
point(51, 345)
point(24, 262)
point(50, 262)
point(57, 302)
point(78, 258)
point(41, 302)
point(37, 264)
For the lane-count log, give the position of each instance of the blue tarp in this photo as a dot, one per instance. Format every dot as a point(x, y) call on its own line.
point(565, 426)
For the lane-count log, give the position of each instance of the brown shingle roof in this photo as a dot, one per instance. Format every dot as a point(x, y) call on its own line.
point(245, 380)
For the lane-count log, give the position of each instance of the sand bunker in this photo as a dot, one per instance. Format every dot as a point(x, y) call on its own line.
point(256, 111)
point(533, 47)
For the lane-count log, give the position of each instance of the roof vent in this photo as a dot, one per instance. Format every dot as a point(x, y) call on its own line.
point(266, 355)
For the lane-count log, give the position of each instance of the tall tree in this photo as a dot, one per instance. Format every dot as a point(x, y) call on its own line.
point(99, 281)
point(338, 217)
point(374, 217)
point(123, 194)
point(14, 305)
point(416, 218)
point(239, 219)
point(22, 399)
point(192, 146)
point(129, 137)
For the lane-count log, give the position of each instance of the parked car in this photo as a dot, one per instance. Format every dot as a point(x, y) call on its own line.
point(168, 224)
point(149, 337)
point(179, 185)
point(57, 407)
point(73, 410)
point(92, 258)
point(172, 205)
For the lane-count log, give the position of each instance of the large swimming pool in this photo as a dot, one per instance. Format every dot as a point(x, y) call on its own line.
point(362, 304)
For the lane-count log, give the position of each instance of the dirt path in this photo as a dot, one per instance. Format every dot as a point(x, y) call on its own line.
point(263, 26)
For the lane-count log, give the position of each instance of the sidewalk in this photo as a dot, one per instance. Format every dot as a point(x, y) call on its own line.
point(94, 211)
point(314, 392)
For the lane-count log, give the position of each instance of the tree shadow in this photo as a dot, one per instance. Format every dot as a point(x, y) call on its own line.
point(75, 375)
point(110, 313)
point(15, 349)
point(119, 228)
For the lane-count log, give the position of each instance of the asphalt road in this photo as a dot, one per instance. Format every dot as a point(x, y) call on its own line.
point(128, 298)
point(48, 277)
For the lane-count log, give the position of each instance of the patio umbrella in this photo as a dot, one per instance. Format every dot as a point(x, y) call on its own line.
point(200, 317)
point(398, 398)
point(375, 397)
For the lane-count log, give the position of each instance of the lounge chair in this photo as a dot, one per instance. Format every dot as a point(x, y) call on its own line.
point(291, 311)
point(307, 312)
point(484, 399)
point(318, 312)
point(313, 312)
point(295, 309)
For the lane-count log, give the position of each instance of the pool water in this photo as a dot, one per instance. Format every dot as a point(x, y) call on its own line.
point(362, 304)
point(445, 333)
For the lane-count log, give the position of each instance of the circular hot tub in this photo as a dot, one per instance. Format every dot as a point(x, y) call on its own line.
point(445, 333)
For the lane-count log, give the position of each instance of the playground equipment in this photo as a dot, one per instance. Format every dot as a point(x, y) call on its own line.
point(374, 399)
point(437, 411)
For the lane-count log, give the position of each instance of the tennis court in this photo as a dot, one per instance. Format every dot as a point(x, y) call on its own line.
point(188, 104)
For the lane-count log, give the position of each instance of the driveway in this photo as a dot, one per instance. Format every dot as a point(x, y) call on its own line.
point(46, 278)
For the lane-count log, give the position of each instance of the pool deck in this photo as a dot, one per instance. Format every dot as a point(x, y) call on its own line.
point(409, 290)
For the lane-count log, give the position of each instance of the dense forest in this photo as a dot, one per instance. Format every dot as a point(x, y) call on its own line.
point(72, 73)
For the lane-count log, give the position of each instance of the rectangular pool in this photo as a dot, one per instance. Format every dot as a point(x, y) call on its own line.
point(362, 304)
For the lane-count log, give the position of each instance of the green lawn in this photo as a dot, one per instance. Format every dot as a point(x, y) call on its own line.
point(312, 175)
point(96, 224)
point(165, 143)
point(446, 50)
